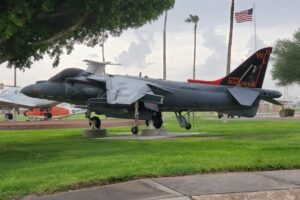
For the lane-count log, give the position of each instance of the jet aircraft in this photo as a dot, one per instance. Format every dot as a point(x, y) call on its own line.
point(56, 112)
point(237, 94)
point(11, 98)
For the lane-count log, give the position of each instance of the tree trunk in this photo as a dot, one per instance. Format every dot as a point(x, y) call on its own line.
point(164, 48)
point(195, 38)
point(230, 39)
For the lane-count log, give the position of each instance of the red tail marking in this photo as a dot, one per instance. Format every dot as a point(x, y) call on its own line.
point(216, 82)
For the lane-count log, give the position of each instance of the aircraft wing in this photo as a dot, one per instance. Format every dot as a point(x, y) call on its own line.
point(127, 90)
point(25, 103)
point(4, 103)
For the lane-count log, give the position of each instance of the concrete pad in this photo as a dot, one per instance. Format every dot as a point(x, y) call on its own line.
point(222, 183)
point(153, 132)
point(178, 198)
point(94, 133)
point(290, 176)
point(141, 137)
point(132, 190)
point(292, 194)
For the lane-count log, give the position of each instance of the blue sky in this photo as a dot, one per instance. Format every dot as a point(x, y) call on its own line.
point(140, 50)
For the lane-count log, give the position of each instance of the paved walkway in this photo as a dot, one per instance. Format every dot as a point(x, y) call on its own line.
point(269, 185)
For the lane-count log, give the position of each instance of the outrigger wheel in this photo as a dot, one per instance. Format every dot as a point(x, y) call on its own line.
point(188, 126)
point(95, 122)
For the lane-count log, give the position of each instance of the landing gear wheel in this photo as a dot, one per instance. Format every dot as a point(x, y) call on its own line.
point(188, 126)
point(135, 130)
point(95, 122)
point(157, 120)
point(183, 121)
point(9, 116)
point(48, 116)
point(147, 122)
point(157, 123)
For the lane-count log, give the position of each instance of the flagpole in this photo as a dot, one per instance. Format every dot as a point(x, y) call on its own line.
point(254, 23)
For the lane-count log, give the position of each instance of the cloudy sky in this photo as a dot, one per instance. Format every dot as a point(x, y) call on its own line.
point(140, 50)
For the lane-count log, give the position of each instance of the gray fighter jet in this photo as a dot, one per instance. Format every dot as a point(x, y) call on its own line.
point(237, 94)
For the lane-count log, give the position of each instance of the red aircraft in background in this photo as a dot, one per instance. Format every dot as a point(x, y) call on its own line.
point(56, 112)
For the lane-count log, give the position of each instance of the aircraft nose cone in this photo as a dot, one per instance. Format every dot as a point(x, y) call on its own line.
point(31, 91)
point(279, 94)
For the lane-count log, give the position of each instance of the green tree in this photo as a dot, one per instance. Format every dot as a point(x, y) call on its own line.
point(286, 57)
point(194, 19)
point(30, 29)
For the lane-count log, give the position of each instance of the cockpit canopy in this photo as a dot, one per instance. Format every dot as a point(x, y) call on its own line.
point(68, 73)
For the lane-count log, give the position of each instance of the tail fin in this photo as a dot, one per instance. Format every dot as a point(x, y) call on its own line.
point(250, 73)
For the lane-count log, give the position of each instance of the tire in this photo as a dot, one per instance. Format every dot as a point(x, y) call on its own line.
point(95, 121)
point(188, 126)
point(9, 116)
point(157, 120)
point(134, 130)
point(48, 115)
point(147, 122)
point(157, 123)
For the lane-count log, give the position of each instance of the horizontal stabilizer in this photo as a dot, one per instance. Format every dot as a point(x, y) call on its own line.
point(245, 96)
point(271, 100)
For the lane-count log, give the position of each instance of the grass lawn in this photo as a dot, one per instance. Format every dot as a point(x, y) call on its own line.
point(44, 161)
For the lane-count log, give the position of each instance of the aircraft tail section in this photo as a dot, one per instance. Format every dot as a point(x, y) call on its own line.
point(250, 73)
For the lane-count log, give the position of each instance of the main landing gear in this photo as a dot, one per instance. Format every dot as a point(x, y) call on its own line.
point(182, 121)
point(94, 122)
point(156, 120)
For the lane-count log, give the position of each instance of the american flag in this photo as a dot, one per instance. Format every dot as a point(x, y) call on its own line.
point(244, 16)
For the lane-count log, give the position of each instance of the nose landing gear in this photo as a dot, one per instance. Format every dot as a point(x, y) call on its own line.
point(135, 128)
point(94, 122)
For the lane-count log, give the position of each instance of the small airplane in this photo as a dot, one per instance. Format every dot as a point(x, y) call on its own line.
point(11, 98)
point(56, 112)
point(237, 94)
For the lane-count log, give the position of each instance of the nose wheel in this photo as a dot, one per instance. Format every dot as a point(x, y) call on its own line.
point(135, 128)
point(183, 121)
point(94, 122)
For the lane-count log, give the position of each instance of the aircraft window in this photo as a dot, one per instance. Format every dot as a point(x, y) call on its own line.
point(66, 73)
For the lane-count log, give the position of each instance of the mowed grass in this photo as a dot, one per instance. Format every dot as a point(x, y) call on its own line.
point(45, 161)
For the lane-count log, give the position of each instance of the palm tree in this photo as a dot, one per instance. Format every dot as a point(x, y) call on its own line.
point(193, 19)
point(230, 38)
point(103, 39)
point(164, 48)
